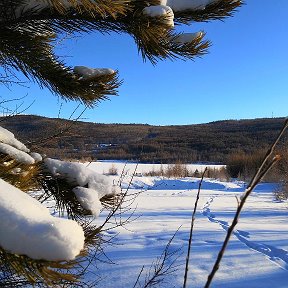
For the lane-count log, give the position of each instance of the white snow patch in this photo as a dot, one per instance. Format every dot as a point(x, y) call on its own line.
point(181, 5)
point(86, 73)
point(16, 154)
point(187, 37)
point(89, 199)
point(36, 156)
point(8, 137)
point(160, 10)
point(27, 228)
point(80, 175)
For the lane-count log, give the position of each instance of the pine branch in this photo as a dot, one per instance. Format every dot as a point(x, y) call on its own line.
point(33, 56)
point(151, 34)
point(20, 268)
point(215, 11)
point(22, 176)
point(155, 40)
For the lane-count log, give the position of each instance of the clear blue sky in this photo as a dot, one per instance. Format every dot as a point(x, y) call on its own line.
point(245, 74)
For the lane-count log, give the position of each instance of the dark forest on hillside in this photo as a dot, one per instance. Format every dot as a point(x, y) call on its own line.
point(211, 142)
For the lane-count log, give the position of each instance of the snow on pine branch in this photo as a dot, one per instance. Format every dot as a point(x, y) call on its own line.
point(18, 155)
point(90, 186)
point(182, 5)
point(166, 8)
point(27, 228)
point(8, 137)
point(9, 145)
point(187, 37)
point(86, 73)
point(160, 11)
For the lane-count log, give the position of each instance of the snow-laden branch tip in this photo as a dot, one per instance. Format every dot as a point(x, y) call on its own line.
point(159, 11)
point(8, 137)
point(27, 228)
point(90, 186)
point(187, 37)
point(86, 73)
point(9, 145)
point(182, 5)
point(18, 155)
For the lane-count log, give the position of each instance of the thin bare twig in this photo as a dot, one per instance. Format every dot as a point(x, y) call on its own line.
point(138, 277)
point(163, 266)
point(191, 230)
point(260, 173)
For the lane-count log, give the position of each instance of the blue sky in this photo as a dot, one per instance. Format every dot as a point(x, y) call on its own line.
point(245, 74)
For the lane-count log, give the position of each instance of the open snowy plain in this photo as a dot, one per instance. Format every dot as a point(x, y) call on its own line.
point(257, 255)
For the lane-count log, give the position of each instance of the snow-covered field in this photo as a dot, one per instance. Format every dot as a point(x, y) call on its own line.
point(257, 255)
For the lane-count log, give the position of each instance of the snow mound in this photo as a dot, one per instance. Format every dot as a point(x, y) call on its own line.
point(27, 228)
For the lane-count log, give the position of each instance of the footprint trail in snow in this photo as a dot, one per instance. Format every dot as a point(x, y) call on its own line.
point(274, 254)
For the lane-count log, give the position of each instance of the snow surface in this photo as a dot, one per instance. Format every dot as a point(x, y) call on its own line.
point(257, 256)
point(87, 73)
point(27, 228)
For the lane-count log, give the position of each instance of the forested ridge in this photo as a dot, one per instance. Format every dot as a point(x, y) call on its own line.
point(212, 142)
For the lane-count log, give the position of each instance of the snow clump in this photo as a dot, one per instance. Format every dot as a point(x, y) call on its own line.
point(181, 5)
point(90, 186)
point(27, 228)
point(187, 37)
point(8, 137)
point(160, 10)
point(16, 154)
point(9, 145)
point(86, 73)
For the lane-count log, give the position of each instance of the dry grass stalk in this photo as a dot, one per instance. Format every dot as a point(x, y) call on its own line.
point(191, 229)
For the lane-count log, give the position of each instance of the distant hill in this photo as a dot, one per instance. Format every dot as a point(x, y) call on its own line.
point(211, 142)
